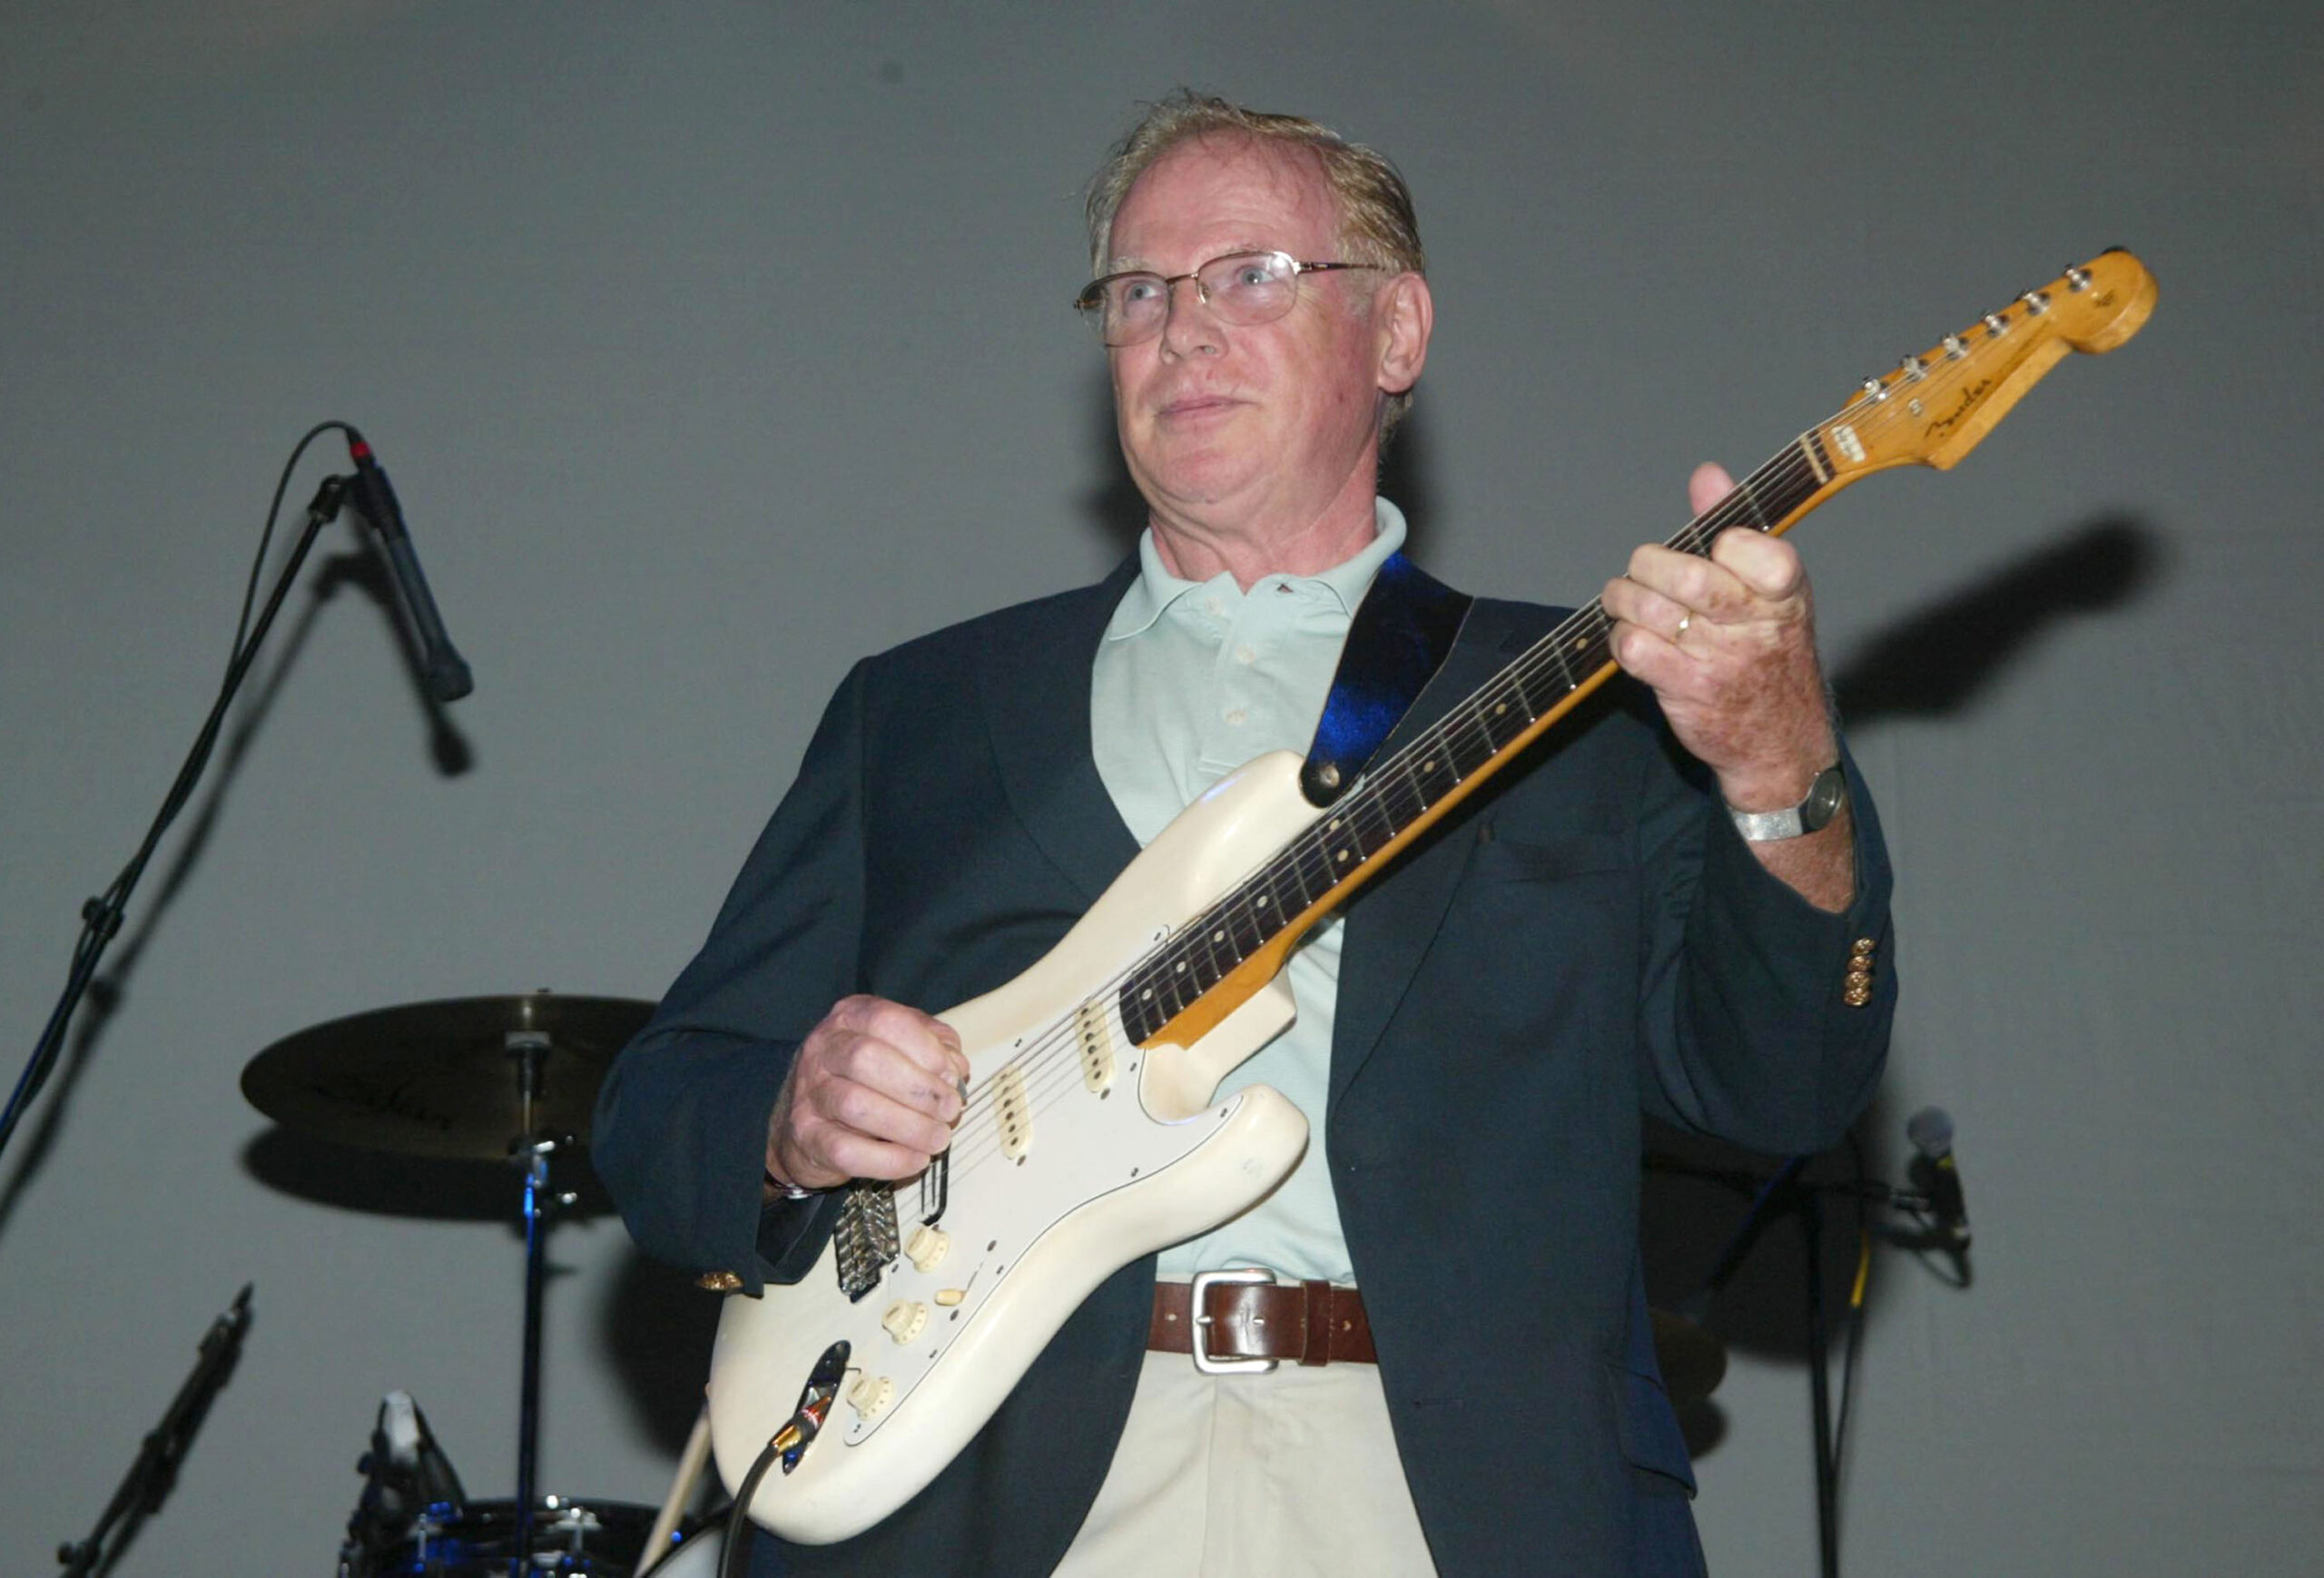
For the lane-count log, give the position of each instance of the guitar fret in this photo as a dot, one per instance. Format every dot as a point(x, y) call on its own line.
point(1789, 490)
point(1244, 925)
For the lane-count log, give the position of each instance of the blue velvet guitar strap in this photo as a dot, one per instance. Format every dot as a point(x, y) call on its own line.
point(1398, 640)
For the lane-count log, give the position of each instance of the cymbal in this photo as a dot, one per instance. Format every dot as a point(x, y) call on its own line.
point(1693, 1360)
point(445, 1079)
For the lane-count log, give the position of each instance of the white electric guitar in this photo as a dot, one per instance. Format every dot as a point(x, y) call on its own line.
point(1091, 1136)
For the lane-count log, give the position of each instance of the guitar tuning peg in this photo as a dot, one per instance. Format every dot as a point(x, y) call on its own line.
point(1996, 324)
point(2035, 302)
point(1915, 369)
point(1875, 388)
point(2077, 278)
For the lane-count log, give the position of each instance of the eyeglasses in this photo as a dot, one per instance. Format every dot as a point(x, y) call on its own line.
point(1240, 288)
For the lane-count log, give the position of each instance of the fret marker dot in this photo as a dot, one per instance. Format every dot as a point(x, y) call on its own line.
point(1218, 936)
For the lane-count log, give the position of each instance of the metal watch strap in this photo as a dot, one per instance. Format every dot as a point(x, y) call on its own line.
point(1826, 793)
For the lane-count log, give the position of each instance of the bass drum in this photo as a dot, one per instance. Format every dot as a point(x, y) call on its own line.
point(697, 1552)
point(602, 1539)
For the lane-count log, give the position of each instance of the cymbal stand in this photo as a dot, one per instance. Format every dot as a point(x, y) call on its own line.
point(530, 1049)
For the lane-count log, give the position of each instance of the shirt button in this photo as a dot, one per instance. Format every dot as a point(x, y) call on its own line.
point(1244, 655)
point(1213, 605)
point(1236, 715)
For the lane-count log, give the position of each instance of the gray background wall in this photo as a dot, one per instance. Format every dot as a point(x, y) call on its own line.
point(711, 346)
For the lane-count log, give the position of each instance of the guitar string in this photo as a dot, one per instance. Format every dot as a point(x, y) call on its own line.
point(1870, 413)
point(1052, 1073)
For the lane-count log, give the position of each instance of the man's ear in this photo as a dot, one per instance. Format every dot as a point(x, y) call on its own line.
point(1406, 314)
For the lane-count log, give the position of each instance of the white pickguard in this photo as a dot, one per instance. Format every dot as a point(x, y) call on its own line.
point(1104, 1178)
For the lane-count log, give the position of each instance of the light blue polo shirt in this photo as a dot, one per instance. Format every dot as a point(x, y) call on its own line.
point(1192, 680)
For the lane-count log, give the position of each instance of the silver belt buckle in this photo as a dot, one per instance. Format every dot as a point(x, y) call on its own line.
point(1203, 1281)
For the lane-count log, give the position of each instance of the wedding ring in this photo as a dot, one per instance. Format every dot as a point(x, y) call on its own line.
point(1684, 620)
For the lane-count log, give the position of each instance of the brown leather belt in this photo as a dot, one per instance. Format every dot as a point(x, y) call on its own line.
point(1256, 1323)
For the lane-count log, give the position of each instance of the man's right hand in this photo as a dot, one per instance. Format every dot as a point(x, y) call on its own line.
point(872, 1094)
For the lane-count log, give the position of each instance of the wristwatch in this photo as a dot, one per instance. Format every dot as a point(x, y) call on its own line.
point(1825, 796)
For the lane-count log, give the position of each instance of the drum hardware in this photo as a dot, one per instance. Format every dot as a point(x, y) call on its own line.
point(467, 1079)
point(406, 1477)
point(482, 1539)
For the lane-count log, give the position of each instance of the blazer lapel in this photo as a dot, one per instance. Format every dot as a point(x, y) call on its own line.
point(1035, 688)
point(1390, 925)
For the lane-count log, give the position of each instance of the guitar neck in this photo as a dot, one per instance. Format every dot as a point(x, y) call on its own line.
point(1931, 411)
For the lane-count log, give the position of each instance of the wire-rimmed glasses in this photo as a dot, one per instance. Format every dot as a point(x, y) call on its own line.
point(1240, 288)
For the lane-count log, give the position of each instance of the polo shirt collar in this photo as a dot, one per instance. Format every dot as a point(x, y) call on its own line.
point(1151, 595)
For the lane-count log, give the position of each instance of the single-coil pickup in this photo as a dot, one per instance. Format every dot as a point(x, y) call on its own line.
point(1097, 1046)
point(1014, 1112)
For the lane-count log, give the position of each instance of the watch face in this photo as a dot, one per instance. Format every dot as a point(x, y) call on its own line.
point(1825, 798)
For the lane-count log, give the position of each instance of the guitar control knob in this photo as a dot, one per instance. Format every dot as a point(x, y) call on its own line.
point(905, 1319)
point(871, 1395)
point(926, 1246)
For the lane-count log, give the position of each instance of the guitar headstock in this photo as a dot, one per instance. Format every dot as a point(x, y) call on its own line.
point(1934, 407)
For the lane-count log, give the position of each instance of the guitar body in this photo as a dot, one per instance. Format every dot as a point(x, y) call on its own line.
point(1113, 1164)
point(1091, 1136)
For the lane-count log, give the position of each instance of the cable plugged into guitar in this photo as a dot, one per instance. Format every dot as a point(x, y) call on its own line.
point(786, 1446)
point(806, 1422)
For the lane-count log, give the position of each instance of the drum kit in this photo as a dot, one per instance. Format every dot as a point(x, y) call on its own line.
point(464, 1080)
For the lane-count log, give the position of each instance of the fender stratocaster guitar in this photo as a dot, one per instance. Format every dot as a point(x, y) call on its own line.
point(1090, 1135)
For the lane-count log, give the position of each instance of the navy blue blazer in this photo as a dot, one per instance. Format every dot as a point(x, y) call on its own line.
point(1585, 940)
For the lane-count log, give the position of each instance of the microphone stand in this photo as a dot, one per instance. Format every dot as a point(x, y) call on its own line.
point(151, 1478)
point(101, 917)
point(1788, 1191)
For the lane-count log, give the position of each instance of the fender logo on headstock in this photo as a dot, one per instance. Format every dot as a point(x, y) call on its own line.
point(1961, 407)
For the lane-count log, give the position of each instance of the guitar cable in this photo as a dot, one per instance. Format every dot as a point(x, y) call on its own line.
point(734, 1561)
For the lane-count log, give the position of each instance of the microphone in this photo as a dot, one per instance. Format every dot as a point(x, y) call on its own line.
point(1931, 1132)
point(448, 674)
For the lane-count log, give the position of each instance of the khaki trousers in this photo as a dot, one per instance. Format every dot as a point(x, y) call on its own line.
point(1273, 1475)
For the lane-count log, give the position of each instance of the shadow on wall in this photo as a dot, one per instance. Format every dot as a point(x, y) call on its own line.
point(1702, 1222)
point(1938, 661)
point(1697, 1194)
point(449, 748)
point(428, 1189)
point(653, 1332)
